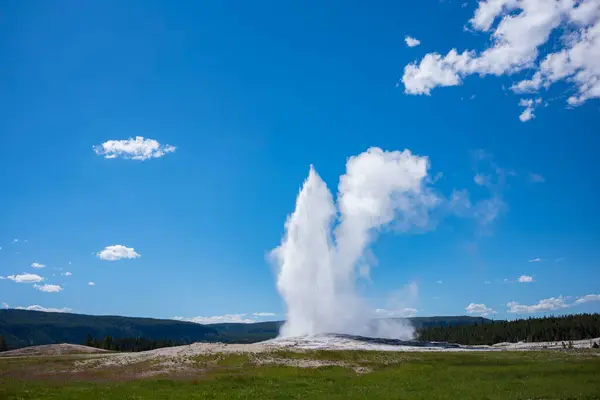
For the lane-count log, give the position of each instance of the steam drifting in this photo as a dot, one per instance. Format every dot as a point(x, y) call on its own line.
point(323, 249)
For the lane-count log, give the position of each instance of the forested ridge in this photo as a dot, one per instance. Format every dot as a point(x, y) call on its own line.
point(545, 329)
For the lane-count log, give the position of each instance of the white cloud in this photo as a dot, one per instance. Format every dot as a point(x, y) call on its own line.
point(15, 240)
point(117, 252)
point(37, 265)
point(411, 42)
point(534, 260)
point(264, 314)
point(4, 305)
point(227, 318)
point(439, 282)
point(24, 278)
point(40, 308)
point(139, 148)
point(518, 29)
point(91, 284)
point(525, 279)
point(408, 312)
point(480, 309)
point(536, 178)
point(66, 273)
point(48, 288)
point(551, 304)
point(530, 106)
point(487, 282)
point(588, 298)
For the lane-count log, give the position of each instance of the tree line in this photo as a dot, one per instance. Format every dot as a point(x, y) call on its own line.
point(128, 344)
point(546, 329)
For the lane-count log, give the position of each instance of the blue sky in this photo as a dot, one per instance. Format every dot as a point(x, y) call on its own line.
point(249, 95)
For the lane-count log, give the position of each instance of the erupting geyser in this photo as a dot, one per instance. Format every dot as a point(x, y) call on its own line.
point(324, 245)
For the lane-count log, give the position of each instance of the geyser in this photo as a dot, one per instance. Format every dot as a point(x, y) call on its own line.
point(324, 245)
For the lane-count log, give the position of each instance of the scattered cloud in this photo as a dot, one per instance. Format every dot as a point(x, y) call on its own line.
point(535, 260)
point(487, 282)
point(15, 240)
point(412, 42)
point(48, 288)
point(37, 265)
point(529, 105)
point(536, 178)
point(227, 318)
point(525, 279)
point(439, 282)
point(519, 30)
point(24, 278)
point(139, 148)
point(408, 312)
point(91, 284)
point(587, 298)
point(40, 308)
point(264, 314)
point(480, 309)
point(551, 304)
point(66, 273)
point(117, 252)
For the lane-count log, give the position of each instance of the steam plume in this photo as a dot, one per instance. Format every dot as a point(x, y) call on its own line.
point(324, 245)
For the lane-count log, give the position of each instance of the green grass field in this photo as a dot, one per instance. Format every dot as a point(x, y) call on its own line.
point(482, 375)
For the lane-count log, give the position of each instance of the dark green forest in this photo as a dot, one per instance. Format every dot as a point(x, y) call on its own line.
point(563, 328)
point(128, 344)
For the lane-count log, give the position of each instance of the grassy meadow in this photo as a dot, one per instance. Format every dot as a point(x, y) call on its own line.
point(573, 374)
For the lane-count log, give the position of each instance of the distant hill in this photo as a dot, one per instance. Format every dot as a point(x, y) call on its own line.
point(22, 328)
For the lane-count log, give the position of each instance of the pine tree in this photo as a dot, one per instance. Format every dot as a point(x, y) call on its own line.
point(3, 346)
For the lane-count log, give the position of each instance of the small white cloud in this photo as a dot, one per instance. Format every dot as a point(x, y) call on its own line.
point(4, 305)
point(117, 252)
point(37, 265)
point(227, 318)
point(408, 312)
point(439, 282)
point(530, 106)
point(534, 260)
point(15, 240)
point(48, 288)
point(480, 179)
point(91, 284)
point(480, 309)
point(264, 314)
point(551, 304)
point(40, 308)
point(139, 148)
point(24, 278)
point(487, 282)
point(525, 279)
point(66, 273)
point(587, 298)
point(411, 42)
point(536, 178)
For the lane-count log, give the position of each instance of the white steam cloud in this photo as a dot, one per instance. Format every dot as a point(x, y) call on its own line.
point(324, 249)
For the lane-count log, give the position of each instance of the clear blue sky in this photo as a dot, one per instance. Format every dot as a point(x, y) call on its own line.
point(251, 94)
